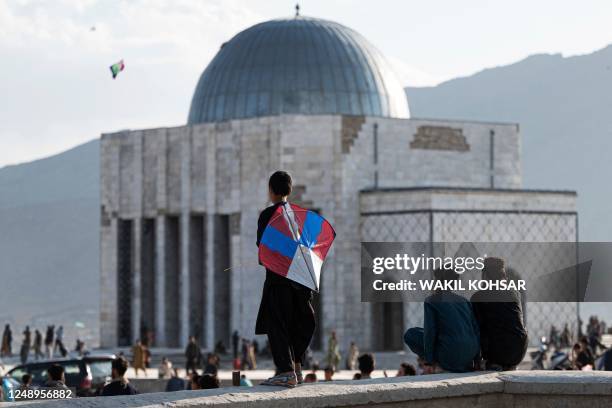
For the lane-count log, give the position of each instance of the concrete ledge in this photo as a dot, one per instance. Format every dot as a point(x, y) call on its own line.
point(557, 382)
point(510, 389)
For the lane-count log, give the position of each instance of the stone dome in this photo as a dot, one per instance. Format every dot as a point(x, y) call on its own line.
point(297, 66)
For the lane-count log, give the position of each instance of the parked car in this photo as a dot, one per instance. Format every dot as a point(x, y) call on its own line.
point(7, 384)
point(87, 374)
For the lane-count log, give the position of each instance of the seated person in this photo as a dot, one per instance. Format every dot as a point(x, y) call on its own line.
point(119, 384)
point(208, 382)
point(366, 365)
point(310, 378)
point(194, 382)
point(55, 377)
point(503, 338)
point(580, 357)
point(449, 339)
point(606, 361)
point(175, 383)
point(405, 369)
point(329, 373)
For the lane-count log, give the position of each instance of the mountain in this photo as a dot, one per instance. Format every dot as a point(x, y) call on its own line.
point(49, 217)
point(564, 108)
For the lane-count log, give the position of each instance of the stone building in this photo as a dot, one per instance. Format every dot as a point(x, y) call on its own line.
point(179, 205)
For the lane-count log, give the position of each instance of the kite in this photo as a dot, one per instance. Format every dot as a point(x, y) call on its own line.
point(117, 68)
point(295, 244)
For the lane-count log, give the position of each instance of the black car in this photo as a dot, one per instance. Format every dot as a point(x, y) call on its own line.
point(87, 374)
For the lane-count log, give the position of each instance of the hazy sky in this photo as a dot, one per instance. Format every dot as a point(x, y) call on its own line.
point(56, 90)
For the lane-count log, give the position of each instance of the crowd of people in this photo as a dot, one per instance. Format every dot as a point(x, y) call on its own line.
point(37, 345)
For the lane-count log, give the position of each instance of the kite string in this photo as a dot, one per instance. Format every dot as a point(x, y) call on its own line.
point(249, 264)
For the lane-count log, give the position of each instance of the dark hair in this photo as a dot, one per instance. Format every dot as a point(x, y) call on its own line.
point(194, 382)
point(311, 377)
point(120, 365)
point(493, 269)
point(329, 369)
point(408, 369)
point(280, 183)
point(445, 274)
point(55, 372)
point(26, 378)
point(366, 363)
point(208, 381)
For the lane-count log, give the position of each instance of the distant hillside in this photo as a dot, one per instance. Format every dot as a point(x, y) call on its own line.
point(49, 217)
point(564, 108)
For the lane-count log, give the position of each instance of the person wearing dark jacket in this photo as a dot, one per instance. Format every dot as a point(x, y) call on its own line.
point(49, 336)
point(192, 355)
point(285, 313)
point(503, 338)
point(119, 385)
point(449, 339)
point(175, 383)
point(56, 377)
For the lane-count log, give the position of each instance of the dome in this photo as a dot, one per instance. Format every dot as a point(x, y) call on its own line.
point(297, 66)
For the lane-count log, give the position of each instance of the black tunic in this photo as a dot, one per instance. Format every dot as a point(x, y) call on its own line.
point(263, 318)
point(118, 387)
point(503, 338)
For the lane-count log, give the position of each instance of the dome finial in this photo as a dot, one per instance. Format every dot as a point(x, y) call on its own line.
point(297, 10)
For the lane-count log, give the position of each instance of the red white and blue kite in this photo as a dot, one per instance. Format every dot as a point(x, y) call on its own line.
point(295, 244)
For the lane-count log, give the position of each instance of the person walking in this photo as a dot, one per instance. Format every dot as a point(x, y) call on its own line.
point(49, 336)
point(59, 341)
point(333, 352)
point(26, 345)
point(7, 340)
point(38, 345)
point(192, 355)
point(351, 356)
point(138, 358)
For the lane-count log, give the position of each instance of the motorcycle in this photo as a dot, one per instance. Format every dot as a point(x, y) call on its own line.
point(559, 360)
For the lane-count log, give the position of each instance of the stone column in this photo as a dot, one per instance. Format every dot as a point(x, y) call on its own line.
point(210, 240)
point(137, 238)
point(109, 197)
point(160, 281)
point(210, 281)
point(160, 243)
point(184, 238)
point(136, 278)
point(108, 282)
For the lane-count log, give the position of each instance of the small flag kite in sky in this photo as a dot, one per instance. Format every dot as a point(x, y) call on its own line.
point(117, 68)
point(295, 244)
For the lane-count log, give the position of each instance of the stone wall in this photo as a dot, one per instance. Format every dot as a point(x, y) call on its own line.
point(528, 389)
point(475, 215)
point(217, 169)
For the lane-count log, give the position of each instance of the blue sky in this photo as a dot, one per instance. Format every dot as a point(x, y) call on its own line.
point(57, 92)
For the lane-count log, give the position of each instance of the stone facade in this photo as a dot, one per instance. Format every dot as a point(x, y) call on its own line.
point(475, 215)
point(179, 208)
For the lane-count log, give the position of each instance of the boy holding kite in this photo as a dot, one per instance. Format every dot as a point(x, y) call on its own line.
point(292, 245)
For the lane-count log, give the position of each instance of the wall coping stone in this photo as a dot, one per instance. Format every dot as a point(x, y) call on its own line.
point(363, 392)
